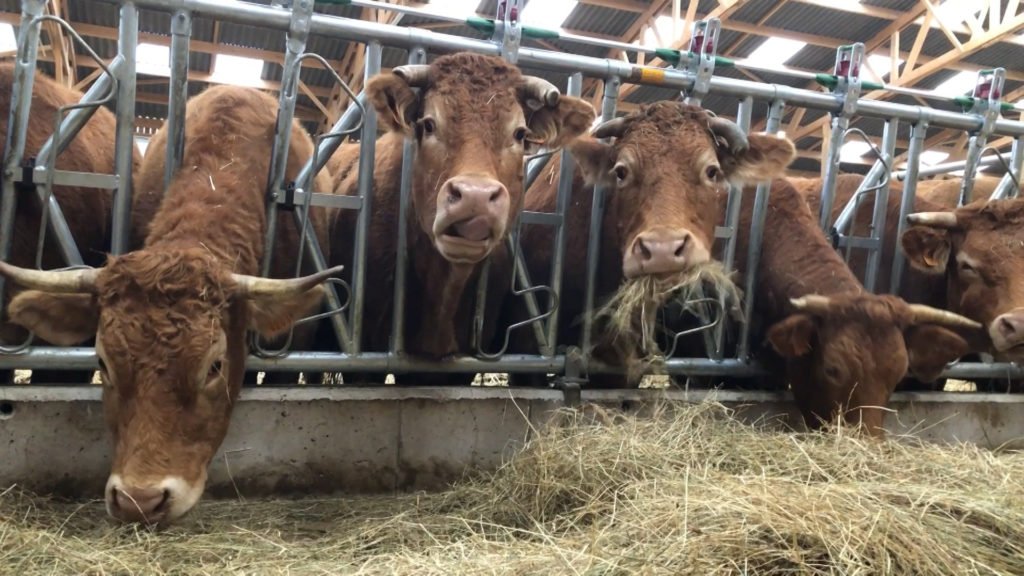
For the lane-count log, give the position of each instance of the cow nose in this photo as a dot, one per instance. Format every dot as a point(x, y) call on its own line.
point(140, 504)
point(659, 252)
point(1008, 330)
point(475, 193)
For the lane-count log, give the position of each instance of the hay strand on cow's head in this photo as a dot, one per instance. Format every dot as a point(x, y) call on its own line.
point(691, 491)
point(641, 319)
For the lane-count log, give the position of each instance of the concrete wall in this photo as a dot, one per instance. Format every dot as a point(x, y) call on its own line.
point(367, 440)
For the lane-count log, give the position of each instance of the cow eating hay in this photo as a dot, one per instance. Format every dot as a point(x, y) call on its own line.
point(693, 491)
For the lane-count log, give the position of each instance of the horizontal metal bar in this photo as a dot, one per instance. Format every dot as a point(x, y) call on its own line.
point(859, 242)
point(72, 178)
point(409, 37)
point(947, 167)
point(328, 200)
point(545, 218)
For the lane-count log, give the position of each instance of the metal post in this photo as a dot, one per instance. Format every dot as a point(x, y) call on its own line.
point(986, 102)
point(416, 56)
point(760, 211)
point(181, 31)
point(877, 233)
point(295, 45)
point(714, 340)
point(565, 178)
point(917, 134)
point(840, 124)
point(77, 118)
point(611, 96)
point(17, 125)
point(128, 39)
point(1009, 185)
point(326, 147)
point(367, 149)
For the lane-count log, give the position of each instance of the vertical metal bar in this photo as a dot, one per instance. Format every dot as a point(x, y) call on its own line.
point(611, 96)
point(917, 134)
point(17, 125)
point(760, 211)
point(715, 340)
point(127, 41)
point(367, 150)
point(416, 56)
point(326, 147)
point(295, 45)
point(181, 31)
point(565, 178)
point(974, 148)
point(828, 186)
point(881, 205)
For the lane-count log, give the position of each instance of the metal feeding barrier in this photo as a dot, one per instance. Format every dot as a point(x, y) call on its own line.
point(691, 73)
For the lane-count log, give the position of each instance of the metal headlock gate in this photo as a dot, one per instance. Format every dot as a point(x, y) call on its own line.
point(691, 73)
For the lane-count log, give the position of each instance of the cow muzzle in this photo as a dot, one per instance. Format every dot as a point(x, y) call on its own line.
point(472, 215)
point(1007, 334)
point(663, 251)
point(154, 503)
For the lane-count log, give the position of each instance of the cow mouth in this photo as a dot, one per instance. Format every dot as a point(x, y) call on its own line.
point(468, 240)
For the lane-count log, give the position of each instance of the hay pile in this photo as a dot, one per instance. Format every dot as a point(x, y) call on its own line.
point(691, 492)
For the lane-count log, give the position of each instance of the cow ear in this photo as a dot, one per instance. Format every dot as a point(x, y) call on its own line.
point(927, 248)
point(793, 337)
point(394, 101)
point(594, 159)
point(765, 158)
point(558, 125)
point(930, 348)
point(61, 319)
point(274, 315)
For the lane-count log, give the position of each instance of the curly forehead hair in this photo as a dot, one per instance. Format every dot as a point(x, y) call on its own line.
point(171, 277)
point(468, 72)
point(989, 215)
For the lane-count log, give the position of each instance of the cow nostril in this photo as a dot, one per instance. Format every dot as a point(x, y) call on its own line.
point(496, 195)
point(164, 502)
point(682, 247)
point(645, 252)
point(1007, 327)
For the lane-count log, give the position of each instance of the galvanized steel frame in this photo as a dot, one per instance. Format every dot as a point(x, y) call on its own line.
point(301, 21)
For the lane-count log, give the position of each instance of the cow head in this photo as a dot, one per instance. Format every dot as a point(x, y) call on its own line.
point(170, 338)
point(980, 249)
point(473, 120)
point(849, 351)
point(668, 167)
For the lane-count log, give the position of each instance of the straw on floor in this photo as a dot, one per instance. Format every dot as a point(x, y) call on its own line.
point(692, 491)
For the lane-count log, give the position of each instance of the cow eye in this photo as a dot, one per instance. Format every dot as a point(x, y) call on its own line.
point(520, 135)
point(832, 372)
point(966, 268)
point(621, 172)
point(712, 172)
point(429, 125)
point(215, 369)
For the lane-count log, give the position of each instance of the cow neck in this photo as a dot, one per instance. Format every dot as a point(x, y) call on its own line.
point(435, 295)
point(228, 225)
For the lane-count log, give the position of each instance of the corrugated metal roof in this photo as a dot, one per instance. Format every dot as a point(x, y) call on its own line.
point(600, 20)
point(817, 20)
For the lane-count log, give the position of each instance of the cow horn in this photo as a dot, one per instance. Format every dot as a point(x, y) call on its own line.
point(255, 286)
point(610, 129)
point(79, 281)
point(922, 314)
point(813, 303)
point(933, 219)
point(415, 75)
point(540, 89)
point(732, 134)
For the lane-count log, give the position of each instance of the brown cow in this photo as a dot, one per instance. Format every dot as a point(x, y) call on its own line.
point(661, 209)
point(87, 210)
point(170, 319)
point(472, 121)
point(845, 349)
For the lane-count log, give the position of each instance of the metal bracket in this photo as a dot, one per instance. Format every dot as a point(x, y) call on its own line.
point(571, 382)
point(701, 64)
point(288, 201)
point(986, 103)
point(27, 182)
point(508, 32)
point(849, 61)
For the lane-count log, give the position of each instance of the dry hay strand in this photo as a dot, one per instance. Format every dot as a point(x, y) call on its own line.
point(640, 321)
point(688, 491)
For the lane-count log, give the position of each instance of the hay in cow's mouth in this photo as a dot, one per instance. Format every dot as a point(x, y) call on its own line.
point(640, 320)
point(690, 491)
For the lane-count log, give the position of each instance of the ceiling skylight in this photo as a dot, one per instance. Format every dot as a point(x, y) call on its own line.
point(153, 59)
point(958, 85)
point(8, 40)
point(881, 66)
point(954, 12)
point(853, 151)
point(238, 70)
point(774, 52)
point(454, 8)
point(663, 25)
point(932, 157)
point(550, 14)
